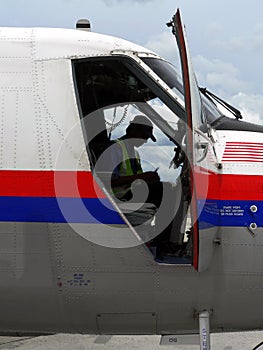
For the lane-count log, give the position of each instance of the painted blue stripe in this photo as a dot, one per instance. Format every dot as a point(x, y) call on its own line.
point(60, 210)
point(229, 213)
point(100, 211)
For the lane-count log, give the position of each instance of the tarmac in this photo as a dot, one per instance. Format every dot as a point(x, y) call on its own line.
point(222, 341)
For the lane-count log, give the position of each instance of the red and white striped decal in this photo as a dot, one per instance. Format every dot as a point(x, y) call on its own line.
point(243, 152)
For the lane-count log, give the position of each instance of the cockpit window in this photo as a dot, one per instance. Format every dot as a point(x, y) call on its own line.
point(116, 81)
point(167, 72)
point(106, 82)
point(211, 110)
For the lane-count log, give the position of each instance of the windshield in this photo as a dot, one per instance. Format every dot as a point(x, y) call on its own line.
point(211, 110)
point(168, 73)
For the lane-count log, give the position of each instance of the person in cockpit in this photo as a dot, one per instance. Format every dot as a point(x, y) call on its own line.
point(127, 169)
point(128, 165)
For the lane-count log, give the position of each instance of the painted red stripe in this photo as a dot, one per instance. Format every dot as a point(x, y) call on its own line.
point(238, 154)
point(228, 186)
point(242, 149)
point(232, 160)
point(245, 146)
point(245, 143)
point(37, 183)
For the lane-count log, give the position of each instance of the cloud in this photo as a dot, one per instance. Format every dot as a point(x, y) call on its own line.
point(214, 29)
point(242, 43)
point(257, 38)
point(219, 41)
point(165, 45)
point(112, 2)
point(214, 73)
point(219, 75)
point(250, 105)
point(223, 78)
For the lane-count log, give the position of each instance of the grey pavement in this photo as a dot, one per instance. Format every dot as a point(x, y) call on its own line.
point(223, 341)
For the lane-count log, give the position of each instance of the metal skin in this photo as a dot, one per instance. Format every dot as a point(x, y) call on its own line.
point(54, 280)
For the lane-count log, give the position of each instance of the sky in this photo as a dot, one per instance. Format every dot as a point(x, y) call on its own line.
point(225, 37)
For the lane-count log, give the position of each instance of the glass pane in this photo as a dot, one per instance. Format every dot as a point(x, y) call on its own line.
point(154, 155)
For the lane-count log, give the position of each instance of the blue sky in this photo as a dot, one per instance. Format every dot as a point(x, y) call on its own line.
point(225, 37)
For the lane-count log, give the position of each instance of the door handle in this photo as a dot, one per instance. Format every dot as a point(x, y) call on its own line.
point(203, 146)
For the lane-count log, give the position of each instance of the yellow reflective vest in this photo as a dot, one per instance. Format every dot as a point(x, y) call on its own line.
point(126, 169)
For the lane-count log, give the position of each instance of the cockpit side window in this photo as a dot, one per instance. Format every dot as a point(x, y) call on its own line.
point(168, 74)
point(102, 83)
point(105, 82)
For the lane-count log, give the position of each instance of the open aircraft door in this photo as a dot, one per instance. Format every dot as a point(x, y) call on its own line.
point(202, 159)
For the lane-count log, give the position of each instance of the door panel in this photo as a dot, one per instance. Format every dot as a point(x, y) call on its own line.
point(200, 153)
